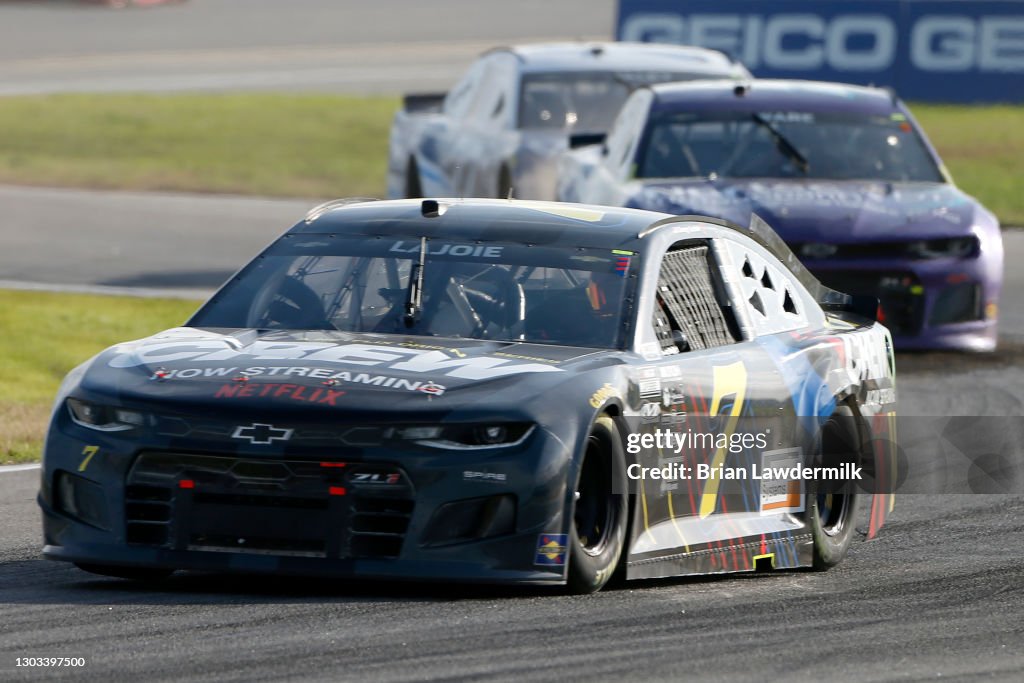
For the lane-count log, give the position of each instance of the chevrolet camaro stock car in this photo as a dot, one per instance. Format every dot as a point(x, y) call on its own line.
point(482, 390)
point(842, 173)
point(502, 127)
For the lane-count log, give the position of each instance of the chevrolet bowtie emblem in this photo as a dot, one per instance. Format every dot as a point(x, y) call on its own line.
point(259, 433)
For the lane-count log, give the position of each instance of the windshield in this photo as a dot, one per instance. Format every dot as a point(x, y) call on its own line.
point(481, 290)
point(586, 102)
point(784, 145)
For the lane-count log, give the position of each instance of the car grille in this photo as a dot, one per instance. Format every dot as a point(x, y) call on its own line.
point(900, 295)
point(217, 430)
point(956, 304)
point(859, 250)
point(306, 508)
point(871, 250)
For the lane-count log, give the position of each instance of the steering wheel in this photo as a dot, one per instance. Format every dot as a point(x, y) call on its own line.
point(494, 297)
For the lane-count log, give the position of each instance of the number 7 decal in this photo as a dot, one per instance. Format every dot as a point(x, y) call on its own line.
point(730, 389)
point(88, 452)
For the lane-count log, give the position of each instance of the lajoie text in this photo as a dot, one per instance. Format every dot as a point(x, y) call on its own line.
point(478, 250)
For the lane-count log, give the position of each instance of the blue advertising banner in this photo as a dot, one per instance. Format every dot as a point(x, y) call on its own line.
point(928, 50)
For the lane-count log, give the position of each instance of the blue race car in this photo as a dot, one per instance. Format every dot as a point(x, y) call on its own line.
point(844, 175)
point(502, 127)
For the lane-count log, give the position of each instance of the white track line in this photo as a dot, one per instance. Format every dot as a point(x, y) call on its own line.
point(7, 469)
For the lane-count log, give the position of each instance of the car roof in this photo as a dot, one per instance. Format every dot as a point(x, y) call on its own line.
point(616, 56)
point(518, 221)
point(767, 94)
point(534, 223)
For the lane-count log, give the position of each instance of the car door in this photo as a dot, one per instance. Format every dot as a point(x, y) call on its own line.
point(719, 404)
point(437, 156)
point(481, 138)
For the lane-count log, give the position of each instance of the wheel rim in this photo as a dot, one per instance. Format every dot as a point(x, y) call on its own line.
point(593, 516)
point(832, 509)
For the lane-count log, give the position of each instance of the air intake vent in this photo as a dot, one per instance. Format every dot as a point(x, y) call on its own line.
point(688, 294)
point(270, 507)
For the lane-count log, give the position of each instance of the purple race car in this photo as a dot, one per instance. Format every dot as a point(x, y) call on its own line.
point(843, 173)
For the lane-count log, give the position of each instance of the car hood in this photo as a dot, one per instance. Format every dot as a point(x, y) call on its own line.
point(820, 211)
point(300, 371)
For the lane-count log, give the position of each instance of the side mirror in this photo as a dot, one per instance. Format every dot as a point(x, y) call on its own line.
point(586, 139)
point(680, 340)
point(423, 103)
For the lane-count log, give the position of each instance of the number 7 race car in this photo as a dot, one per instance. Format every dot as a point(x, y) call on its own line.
point(484, 390)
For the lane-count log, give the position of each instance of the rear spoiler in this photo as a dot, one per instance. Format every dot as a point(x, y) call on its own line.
point(423, 103)
point(830, 299)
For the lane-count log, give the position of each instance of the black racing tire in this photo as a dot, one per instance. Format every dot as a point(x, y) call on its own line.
point(597, 537)
point(121, 572)
point(832, 527)
point(832, 514)
point(413, 187)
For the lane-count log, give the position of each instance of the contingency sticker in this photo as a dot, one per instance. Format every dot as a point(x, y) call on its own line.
point(622, 259)
point(783, 494)
point(551, 549)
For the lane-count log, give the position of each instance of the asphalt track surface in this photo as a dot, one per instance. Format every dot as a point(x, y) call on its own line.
point(130, 239)
point(939, 595)
point(383, 46)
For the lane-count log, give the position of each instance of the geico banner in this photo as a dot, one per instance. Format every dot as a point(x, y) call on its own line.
point(932, 50)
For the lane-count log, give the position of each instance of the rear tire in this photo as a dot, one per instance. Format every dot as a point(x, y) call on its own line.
point(832, 526)
point(504, 183)
point(413, 187)
point(832, 515)
point(120, 572)
point(597, 537)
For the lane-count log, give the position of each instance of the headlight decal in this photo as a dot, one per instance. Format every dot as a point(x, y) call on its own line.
point(104, 418)
point(464, 436)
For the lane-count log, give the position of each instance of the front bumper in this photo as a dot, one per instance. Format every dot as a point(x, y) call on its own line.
point(374, 513)
point(79, 550)
point(940, 304)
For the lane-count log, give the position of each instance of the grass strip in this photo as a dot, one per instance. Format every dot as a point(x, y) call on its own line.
point(48, 334)
point(244, 143)
point(313, 145)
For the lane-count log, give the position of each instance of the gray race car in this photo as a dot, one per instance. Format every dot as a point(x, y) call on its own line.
point(502, 127)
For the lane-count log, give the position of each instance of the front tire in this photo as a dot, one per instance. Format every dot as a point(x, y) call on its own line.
point(597, 537)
